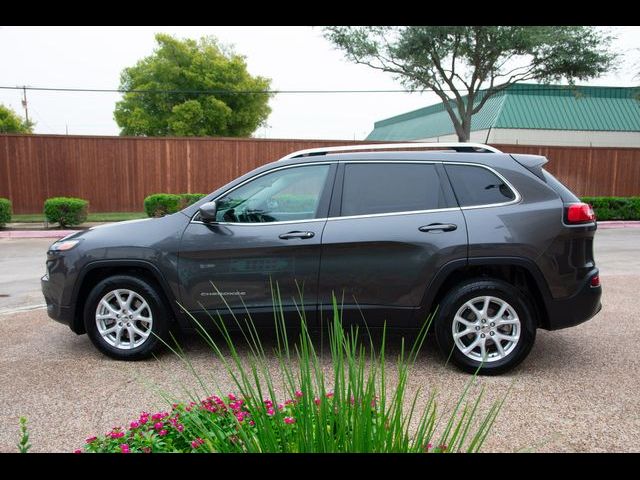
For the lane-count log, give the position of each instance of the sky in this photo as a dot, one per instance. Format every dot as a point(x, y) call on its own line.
point(295, 58)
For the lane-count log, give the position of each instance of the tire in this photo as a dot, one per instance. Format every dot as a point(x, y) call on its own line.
point(152, 320)
point(514, 330)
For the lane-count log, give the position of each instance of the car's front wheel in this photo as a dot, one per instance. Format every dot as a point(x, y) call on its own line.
point(485, 326)
point(125, 317)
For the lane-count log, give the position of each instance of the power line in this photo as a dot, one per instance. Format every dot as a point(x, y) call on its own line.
point(275, 92)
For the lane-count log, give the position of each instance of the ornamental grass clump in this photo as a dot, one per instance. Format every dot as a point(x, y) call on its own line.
point(345, 404)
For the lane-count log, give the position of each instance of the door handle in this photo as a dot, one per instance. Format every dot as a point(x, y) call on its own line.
point(434, 227)
point(296, 234)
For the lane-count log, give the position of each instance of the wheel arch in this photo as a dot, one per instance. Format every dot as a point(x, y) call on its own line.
point(94, 272)
point(521, 272)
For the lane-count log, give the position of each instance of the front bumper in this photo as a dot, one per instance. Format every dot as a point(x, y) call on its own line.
point(59, 313)
point(570, 311)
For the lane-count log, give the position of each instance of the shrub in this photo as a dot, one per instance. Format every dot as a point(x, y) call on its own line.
point(615, 208)
point(66, 211)
point(359, 412)
point(5, 212)
point(161, 204)
point(190, 198)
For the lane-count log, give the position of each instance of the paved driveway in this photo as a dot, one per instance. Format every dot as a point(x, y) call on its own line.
point(577, 391)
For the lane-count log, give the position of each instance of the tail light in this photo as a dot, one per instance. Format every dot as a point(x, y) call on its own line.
point(580, 213)
point(595, 281)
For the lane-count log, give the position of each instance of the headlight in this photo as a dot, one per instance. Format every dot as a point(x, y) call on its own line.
point(63, 245)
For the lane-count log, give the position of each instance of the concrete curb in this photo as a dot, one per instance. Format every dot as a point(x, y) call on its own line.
point(36, 233)
point(622, 224)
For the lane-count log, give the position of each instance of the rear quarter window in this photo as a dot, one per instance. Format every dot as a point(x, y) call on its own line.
point(476, 186)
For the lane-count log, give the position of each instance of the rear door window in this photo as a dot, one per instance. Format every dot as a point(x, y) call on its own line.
point(476, 186)
point(371, 188)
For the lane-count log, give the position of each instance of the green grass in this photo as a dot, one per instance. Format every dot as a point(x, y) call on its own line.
point(367, 414)
point(93, 217)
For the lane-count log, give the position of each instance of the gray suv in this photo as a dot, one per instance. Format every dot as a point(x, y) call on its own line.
point(492, 240)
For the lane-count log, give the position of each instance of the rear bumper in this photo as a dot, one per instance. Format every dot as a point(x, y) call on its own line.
point(59, 313)
point(579, 308)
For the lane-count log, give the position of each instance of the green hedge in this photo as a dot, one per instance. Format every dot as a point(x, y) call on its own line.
point(191, 198)
point(615, 208)
point(161, 204)
point(5, 212)
point(66, 211)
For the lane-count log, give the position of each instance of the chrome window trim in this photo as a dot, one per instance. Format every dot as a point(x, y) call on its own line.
point(517, 198)
point(389, 214)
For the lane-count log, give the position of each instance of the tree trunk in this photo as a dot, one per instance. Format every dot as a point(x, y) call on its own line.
point(464, 133)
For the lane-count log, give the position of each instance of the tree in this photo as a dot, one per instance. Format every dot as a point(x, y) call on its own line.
point(188, 87)
point(473, 63)
point(11, 122)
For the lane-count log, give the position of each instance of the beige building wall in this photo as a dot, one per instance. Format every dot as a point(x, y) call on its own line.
point(565, 138)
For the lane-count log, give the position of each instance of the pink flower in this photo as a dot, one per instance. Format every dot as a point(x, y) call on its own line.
point(289, 420)
point(116, 434)
point(162, 433)
point(298, 393)
point(316, 401)
point(232, 397)
point(91, 439)
point(77, 451)
point(197, 442)
point(134, 425)
point(158, 426)
point(428, 447)
point(329, 395)
point(124, 448)
point(180, 427)
point(252, 423)
point(271, 412)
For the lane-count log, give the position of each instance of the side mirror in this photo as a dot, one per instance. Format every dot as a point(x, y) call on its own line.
point(208, 212)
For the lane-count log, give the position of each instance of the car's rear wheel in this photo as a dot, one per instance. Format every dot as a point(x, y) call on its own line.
point(125, 317)
point(485, 326)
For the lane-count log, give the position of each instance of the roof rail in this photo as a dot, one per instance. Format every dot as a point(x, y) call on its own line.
point(457, 146)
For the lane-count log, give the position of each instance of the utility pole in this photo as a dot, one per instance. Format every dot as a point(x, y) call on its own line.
point(24, 103)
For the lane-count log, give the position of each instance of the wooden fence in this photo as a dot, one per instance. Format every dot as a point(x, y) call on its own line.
point(116, 173)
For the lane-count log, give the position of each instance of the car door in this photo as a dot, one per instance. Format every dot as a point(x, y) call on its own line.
point(393, 225)
point(266, 236)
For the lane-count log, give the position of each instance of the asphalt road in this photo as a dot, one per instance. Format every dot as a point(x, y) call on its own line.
point(22, 263)
point(578, 391)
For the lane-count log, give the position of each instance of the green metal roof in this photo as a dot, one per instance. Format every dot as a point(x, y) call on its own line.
point(527, 106)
